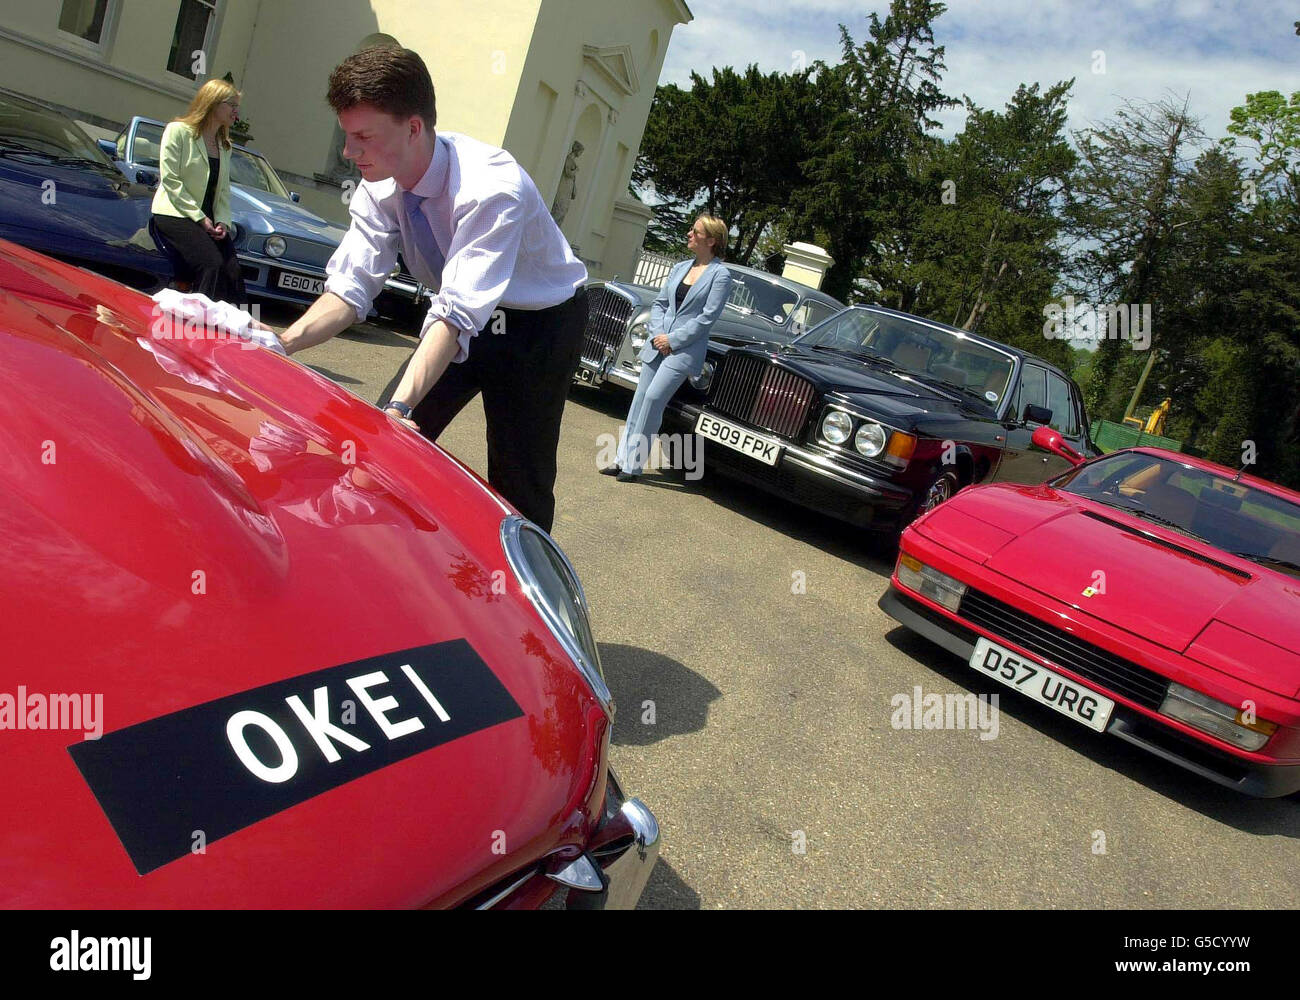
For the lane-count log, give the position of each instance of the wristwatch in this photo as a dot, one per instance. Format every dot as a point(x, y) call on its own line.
point(400, 407)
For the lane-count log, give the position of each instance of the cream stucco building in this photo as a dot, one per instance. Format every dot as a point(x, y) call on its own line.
point(533, 76)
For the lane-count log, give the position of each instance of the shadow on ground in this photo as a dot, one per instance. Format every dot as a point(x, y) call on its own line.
point(1265, 817)
point(657, 697)
point(667, 891)
point(836, 538)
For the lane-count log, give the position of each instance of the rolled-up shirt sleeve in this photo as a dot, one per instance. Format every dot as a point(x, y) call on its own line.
point(479, 266)
point(363, 261)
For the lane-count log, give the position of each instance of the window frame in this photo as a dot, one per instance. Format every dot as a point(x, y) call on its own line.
point(210, 37)
point(106, 31)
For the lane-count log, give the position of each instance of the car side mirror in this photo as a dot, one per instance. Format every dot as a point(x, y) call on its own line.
point(1049, 439)
point(108, 147)
point(293, 196)
point(1037, 414)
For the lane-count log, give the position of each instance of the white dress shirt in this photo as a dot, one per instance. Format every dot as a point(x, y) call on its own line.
point(502, 247)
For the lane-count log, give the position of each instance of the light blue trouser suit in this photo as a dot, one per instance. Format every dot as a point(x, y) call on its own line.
point(660, 378)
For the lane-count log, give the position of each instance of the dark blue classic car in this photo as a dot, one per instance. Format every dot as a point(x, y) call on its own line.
point(282, 247)
point(61, 195)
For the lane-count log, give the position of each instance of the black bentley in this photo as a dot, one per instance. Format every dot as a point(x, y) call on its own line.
point(876, 415)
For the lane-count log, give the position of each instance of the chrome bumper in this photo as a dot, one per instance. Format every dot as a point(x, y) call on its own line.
point(615, 880)
point(609, 371)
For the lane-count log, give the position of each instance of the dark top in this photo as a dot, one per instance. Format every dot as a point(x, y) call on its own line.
point(210, 195)
point(682, 289)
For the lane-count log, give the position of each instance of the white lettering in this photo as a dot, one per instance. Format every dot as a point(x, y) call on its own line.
point(378, 709)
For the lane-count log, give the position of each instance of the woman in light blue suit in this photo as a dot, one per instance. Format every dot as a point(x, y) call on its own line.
point(680, 321)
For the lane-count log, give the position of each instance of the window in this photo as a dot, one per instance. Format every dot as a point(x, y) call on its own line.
point(85, 19)
point(810, 314)
point(146, 145)
point(1058, 401)
point(193, 25)
point(1033, 389)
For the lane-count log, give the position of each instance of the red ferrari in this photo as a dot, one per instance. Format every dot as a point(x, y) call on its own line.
point(1146, 594)
point(266, 647)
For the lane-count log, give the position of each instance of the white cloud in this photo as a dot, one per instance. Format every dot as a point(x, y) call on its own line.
point(1213, 51)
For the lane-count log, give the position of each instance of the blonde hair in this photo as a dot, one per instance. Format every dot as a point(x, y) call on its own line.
point(204, 105)
point(716, 230)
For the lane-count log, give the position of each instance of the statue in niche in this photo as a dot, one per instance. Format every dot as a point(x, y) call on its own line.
point(568, 184)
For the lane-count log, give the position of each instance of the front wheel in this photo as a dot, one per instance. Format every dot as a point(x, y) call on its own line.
point(941, 488)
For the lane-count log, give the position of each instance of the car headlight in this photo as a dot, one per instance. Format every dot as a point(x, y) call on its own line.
point(837, 426)
point(1215, 717)
point(704, 379)
point(639, 334)
point(870, 439)
point(549, 580)
point(929, 582)
point(275, 246)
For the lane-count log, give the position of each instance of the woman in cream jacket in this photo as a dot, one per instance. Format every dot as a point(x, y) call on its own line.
point(191, 208)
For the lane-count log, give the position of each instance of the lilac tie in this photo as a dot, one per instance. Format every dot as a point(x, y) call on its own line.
point(425, 244)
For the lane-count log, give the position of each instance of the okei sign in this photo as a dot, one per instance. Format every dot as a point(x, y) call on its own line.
point(273, 747)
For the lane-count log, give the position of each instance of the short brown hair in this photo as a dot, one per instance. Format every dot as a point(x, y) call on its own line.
point(392, 79)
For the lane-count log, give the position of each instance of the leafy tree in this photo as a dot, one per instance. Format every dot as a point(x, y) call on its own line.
point(883, 94)
point(982, 250)
point(731, 147)
point(1120, 216)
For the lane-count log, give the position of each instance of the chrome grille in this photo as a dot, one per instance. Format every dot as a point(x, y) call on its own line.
point(608, 313)
point(763, 394)
point(1058, 646)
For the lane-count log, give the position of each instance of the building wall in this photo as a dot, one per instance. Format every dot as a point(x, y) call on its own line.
point(125, 76)
point(530, 75)
point(577, 85)
point(474, 61)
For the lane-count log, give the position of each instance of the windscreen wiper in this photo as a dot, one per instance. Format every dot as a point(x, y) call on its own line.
point(1257, 557)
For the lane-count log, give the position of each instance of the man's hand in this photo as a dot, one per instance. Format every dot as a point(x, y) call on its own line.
point(219, 231)
point(209, 228)
point(327, 316)
point(402, 420)
point(661, 344)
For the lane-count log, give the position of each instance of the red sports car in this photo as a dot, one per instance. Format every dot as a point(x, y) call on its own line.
point(266, 647)
point(1146, 594)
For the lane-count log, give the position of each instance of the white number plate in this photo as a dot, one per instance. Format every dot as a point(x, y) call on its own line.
point(302, 283)
point(754, 445)
point(1046, 687)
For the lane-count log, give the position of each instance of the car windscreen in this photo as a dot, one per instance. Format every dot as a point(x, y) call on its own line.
point(753, 295)
point(940, 355)
point(1230, 515)
point(46, 134)
point(254, 172)
point(145, 145)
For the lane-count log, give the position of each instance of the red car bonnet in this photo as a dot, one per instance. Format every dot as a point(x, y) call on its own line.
point(191, 519)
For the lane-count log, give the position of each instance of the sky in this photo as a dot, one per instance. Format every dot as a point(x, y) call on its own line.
point(1211, 51)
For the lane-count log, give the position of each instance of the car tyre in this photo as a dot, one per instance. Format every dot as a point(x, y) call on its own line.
point(942, 487)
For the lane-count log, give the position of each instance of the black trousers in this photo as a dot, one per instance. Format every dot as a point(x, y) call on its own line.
point(524, 374)
point(213, 266)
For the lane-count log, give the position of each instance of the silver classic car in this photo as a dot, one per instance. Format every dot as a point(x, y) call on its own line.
point(763, 308)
